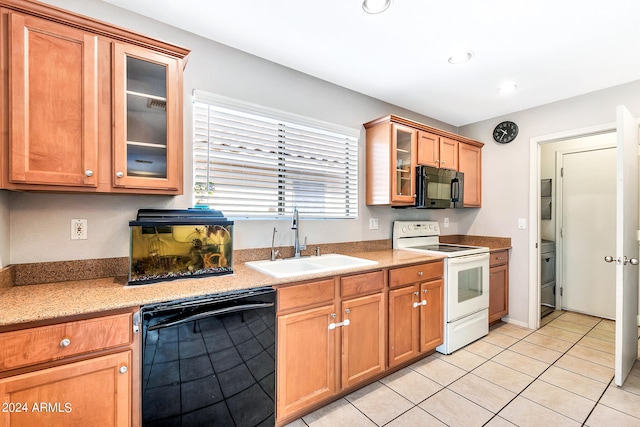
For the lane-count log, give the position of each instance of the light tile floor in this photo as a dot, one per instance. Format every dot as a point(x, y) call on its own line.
point(560, 375)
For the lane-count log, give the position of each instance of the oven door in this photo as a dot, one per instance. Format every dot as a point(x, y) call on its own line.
point(467, 285)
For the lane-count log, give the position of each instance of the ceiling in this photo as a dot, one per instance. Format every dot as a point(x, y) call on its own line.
point(551, 49)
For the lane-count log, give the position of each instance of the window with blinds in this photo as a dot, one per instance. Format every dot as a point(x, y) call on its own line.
point(254, 162)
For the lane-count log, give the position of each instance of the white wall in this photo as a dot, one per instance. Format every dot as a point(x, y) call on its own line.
point(506, 170)
point(40, 223)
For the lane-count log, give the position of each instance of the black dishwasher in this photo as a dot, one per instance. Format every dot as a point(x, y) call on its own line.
point(210, 361)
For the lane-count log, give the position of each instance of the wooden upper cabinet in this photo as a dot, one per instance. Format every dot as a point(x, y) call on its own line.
point(437, 151)
point(403, 165)
point(391, 162)
point(53, 117)
point(387, 140)
point(470, 163)
point(448, 153)
point(87, 106)
point(428, 149)
point(148, 119)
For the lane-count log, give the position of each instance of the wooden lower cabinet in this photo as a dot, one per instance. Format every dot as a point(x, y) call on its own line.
point(306, 362)
point(93, 392)
point(363, 339)
point(431, 314)
point(325, 349)
point(498, 285)
point(334, 335)
point(83, 372)
point(416, 320)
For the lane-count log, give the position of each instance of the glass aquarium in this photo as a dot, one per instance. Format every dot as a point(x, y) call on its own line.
point(177, 244)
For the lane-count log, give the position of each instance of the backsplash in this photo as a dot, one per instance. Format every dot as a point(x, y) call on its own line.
point(60, 271)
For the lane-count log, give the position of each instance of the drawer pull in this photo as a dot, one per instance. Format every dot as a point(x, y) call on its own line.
point(123, 369)
point(419, 304)
point(65, 342)
point(420, 273)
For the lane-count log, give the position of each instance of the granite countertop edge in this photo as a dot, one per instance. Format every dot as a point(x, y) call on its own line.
point(50, 301)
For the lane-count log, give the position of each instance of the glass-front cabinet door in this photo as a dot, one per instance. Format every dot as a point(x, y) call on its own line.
point(148, 120)
point(403, 165)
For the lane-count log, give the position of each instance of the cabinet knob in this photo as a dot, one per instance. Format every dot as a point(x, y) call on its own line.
point(420, 273)
point(416, 293)
point(333, 315)
point(424, 291)
point(65, 342)
point(119, 174)
point(347, 311)
point(123, 369)
point(88, 172)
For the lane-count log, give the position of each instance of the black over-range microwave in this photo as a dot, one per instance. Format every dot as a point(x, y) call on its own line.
point(439, 188)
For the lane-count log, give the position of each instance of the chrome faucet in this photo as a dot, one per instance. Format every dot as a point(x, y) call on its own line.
point(296, 243)
point(274, 253)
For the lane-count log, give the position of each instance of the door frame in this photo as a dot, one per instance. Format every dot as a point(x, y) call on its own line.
point(534, 208)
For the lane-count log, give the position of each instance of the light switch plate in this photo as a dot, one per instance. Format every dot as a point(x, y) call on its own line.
point(373, 223)
point(522, 223)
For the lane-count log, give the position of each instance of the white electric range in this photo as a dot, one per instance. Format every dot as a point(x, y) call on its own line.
point(466, 281)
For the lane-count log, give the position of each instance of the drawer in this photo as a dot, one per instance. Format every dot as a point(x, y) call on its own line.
point(497, 258)
point(415, 273)
point(362, 284)
point(47, 343)
point(306, 294)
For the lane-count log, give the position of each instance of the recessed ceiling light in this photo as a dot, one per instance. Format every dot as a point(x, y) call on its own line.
point(508, 87)
point(460, 57)
point(376, 6)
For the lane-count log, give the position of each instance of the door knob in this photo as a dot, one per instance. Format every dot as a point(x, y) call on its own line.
point(633, 261)
point(608, 259)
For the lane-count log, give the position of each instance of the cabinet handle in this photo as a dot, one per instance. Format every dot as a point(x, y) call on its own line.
point(420, 273)
point(442, 162)
point(419, 304)
point(437, 161)
point(65, 342)
point(123, 369)
point(88, 172)
point(416, 293)
point(333, 315)
point(424, 291)
point(347, 311)
point(119, 174)
point(337, 325)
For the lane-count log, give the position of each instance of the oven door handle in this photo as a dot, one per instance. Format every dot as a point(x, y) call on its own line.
point(468, 258)
point(176, 320)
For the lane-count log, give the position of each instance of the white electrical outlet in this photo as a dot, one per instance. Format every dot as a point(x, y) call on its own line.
point(373, 223)
point(78, 229)
point(446, 222)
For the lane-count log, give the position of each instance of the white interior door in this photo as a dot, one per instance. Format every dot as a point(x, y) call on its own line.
point(588, 204)
point(626, 245)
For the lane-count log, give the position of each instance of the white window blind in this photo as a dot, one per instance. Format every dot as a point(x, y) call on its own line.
point(255, 162)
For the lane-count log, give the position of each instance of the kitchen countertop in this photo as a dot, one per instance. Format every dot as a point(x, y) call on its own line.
point(30, 303)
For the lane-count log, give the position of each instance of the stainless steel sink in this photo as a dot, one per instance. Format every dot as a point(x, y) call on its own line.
point(292, 267)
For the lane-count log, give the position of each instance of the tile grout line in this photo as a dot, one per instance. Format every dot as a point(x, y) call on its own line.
point(416, 405)
point(552, 364)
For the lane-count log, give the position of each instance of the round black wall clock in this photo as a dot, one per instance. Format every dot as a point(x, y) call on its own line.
point(505, 132)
